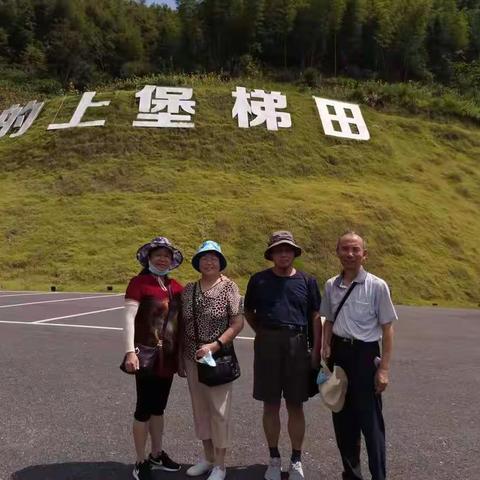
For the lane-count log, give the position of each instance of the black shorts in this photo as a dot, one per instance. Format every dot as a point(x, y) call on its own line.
point(281, 366)
point(152, 396)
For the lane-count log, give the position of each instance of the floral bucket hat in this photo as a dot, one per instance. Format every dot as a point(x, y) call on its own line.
point(157, 242)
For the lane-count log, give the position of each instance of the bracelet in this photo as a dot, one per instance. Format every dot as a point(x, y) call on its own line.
point(220, 343)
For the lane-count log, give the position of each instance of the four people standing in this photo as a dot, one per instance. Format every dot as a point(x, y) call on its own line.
point(280, 305)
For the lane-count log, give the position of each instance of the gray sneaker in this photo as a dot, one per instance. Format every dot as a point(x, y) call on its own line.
point(274, 470)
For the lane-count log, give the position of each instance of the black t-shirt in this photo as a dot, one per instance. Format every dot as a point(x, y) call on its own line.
point(282, 300)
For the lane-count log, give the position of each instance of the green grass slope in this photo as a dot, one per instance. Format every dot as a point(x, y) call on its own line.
point(75, 204)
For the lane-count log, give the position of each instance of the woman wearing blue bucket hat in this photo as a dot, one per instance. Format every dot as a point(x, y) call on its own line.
point(212, 318)
point(152, 302)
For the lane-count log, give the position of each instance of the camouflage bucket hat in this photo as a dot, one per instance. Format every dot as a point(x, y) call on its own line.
point(281, 237)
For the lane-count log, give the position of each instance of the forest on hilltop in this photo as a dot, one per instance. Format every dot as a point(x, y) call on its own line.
point(85, 42)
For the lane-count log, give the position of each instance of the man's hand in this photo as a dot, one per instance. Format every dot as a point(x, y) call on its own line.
point(326, 352)
point(381, 380)
point(131, 362)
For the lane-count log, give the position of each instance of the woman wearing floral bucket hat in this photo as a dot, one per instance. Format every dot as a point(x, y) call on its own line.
point(212, 318)
point(151, 306)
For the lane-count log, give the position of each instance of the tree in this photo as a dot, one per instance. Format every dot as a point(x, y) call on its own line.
point(447, 36)
point(279, 21)
point(409, 32)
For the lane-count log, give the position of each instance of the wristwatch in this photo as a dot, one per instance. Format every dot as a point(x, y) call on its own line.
point(220, 343)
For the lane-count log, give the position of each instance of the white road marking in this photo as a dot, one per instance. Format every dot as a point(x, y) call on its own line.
point(21, 293)
point(40, 323)
point(28, 294)
point(78, 315)
point(62, 325)
point(56, 301)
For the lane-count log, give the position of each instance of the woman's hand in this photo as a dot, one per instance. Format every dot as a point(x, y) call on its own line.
point(131, 362)
point(203, 350)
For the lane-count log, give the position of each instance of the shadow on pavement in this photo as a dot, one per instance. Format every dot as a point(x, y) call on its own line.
point(120, 471)
point(76, 471)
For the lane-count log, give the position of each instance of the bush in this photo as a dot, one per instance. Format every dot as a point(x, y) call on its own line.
point(311, 77)
point(135, 68)
point(248, 67)
point(466, 78)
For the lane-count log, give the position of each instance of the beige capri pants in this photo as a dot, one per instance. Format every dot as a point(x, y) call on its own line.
point(211, 408)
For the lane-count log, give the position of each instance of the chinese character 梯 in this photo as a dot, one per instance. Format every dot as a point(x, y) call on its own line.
point(262, 106)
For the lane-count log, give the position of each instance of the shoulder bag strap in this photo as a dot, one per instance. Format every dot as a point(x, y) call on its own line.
point(344, 299)
point(194, 313)
point(167, 317)
point(165, 323)
point(170, 305)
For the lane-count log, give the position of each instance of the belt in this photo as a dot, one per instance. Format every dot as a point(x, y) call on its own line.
point(351, 341)
point(287, 327)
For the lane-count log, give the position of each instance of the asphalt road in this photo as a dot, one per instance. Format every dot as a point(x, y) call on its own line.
point(66, 407)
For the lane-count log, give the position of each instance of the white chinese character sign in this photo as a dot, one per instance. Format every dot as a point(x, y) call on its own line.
point(19, 118)
point(85, 103)
point(159, 107)
point(262, 106)
point(173, 107)
point(341, 119)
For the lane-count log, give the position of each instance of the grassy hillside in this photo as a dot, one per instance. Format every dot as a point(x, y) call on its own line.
point(76, 204)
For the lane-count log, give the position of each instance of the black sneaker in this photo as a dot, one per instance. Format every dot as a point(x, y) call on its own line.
point(142, 471)
point(163, 462)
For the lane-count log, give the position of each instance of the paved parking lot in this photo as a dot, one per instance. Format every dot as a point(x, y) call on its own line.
point(66, 407)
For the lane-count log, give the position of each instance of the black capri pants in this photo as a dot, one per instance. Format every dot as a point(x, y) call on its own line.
point(152, 396)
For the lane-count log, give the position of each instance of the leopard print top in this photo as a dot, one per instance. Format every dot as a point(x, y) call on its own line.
point(214, 309)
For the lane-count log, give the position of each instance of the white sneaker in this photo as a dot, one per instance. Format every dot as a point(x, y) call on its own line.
point(274, 470)
point(217, 474)
point(199, 469)
point(295, 472)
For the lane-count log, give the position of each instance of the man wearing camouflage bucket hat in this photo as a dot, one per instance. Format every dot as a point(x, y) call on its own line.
point(279, 303)
point(152, 297)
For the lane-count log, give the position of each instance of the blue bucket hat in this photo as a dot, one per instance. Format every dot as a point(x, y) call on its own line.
point(157, 242)
point(209, 246)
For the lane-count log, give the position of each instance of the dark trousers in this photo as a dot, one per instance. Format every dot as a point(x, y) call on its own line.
point(362, 412)
point(152, 396)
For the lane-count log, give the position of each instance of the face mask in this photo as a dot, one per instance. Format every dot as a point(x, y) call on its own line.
point(153, 269)
point(208, 359)
point(322, 377)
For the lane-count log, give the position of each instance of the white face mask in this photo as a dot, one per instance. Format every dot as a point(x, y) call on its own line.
point(155, 271)
point(208, 359)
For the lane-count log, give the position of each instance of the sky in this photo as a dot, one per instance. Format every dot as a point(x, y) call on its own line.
point(170, 3)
